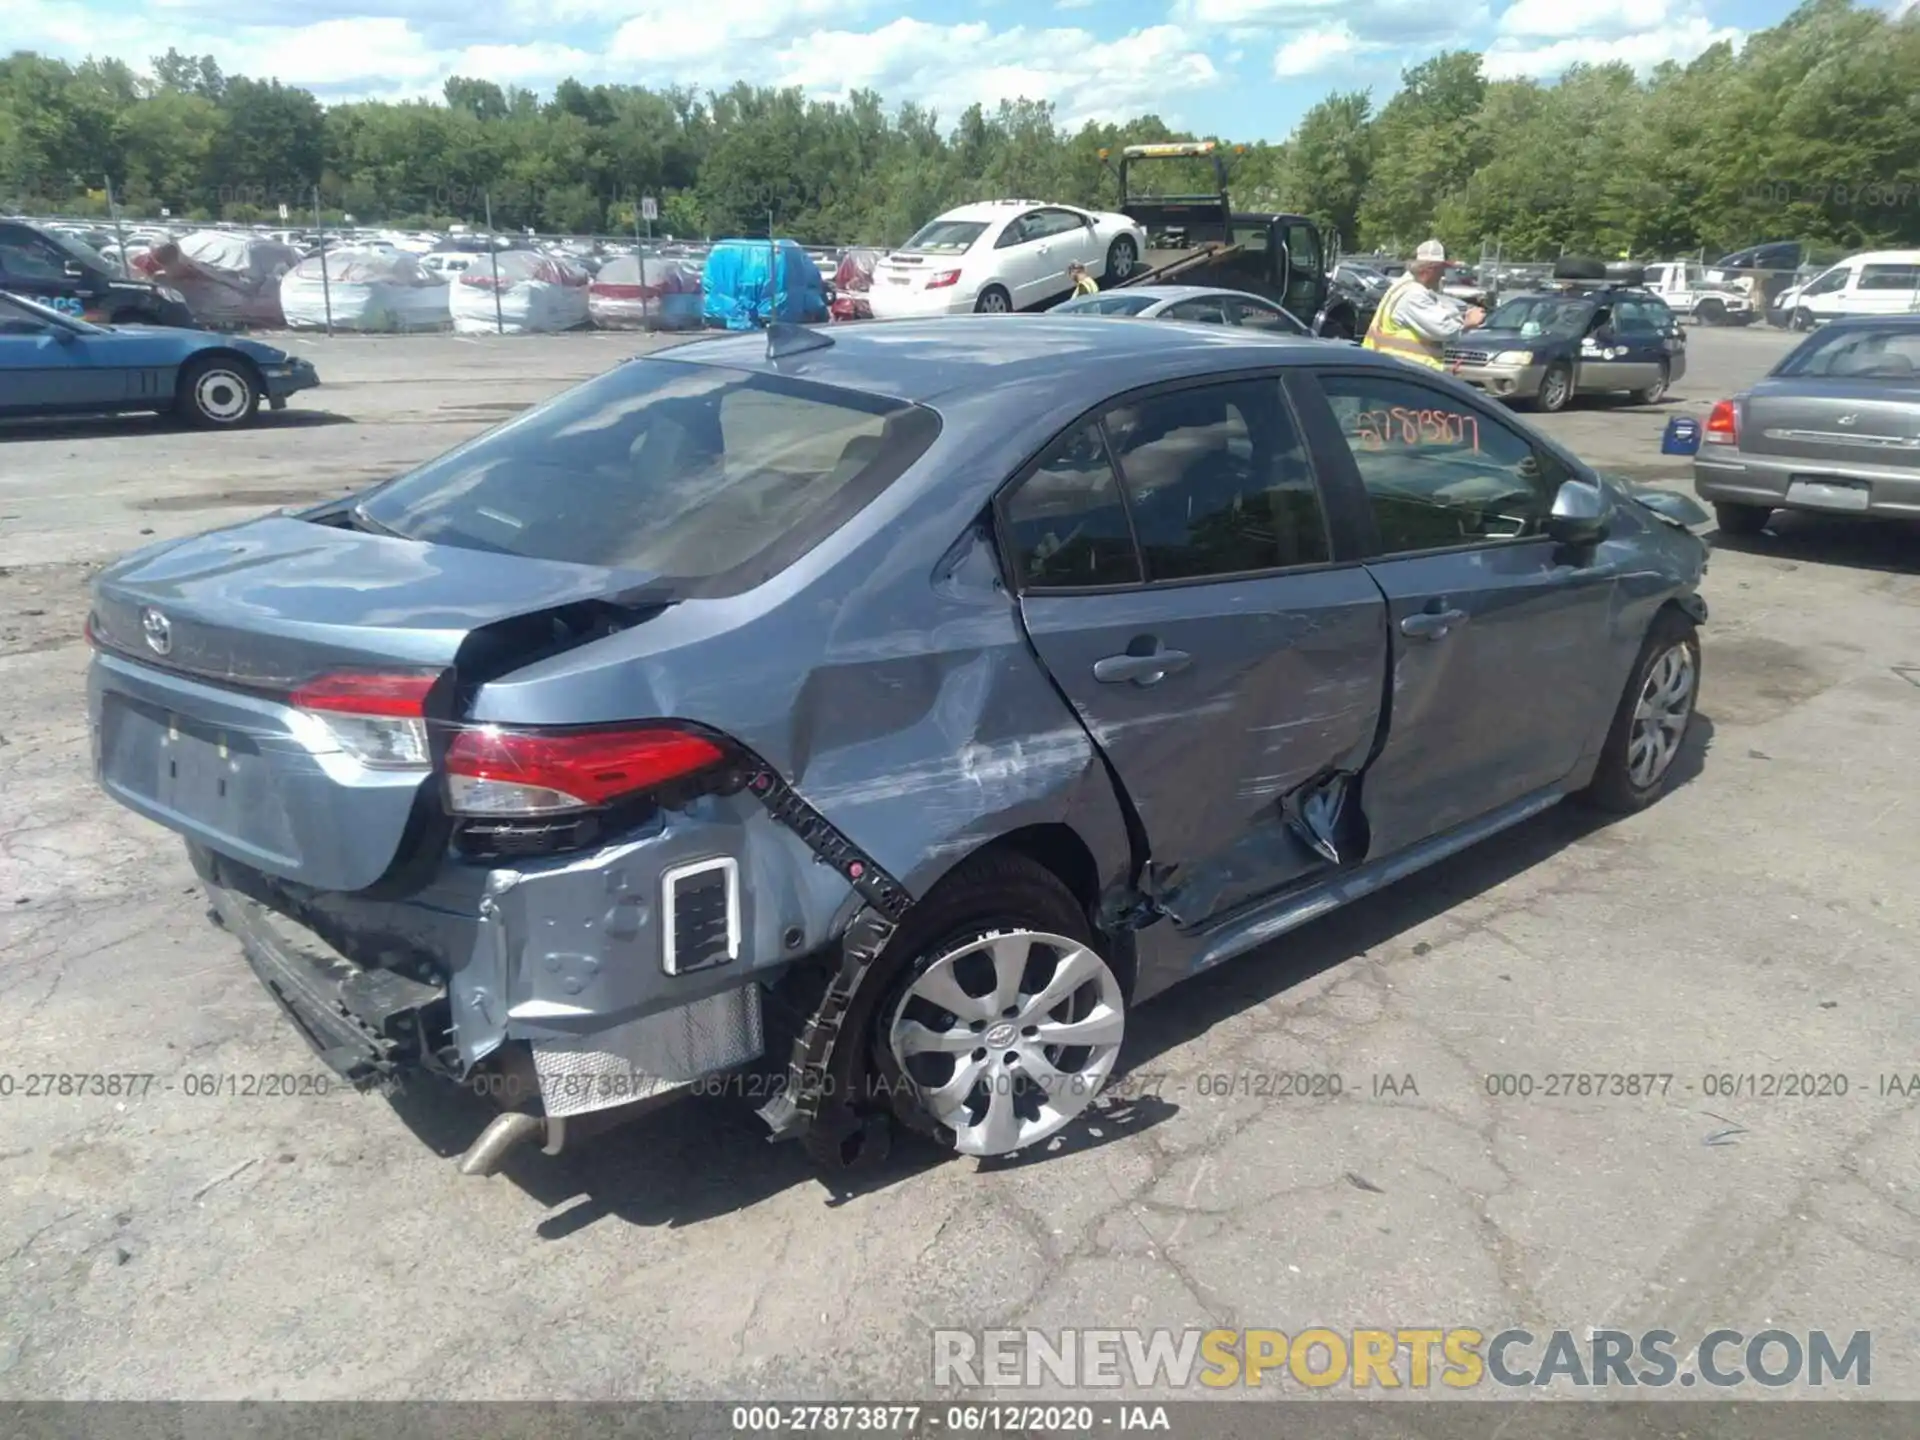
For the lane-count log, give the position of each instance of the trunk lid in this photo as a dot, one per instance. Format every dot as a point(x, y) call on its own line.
point(1836, 422)
point(200, 644)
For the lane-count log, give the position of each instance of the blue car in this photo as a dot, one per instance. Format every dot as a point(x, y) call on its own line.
point(904, 705)
point(55, 364)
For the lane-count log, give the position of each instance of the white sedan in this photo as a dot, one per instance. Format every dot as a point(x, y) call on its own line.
point(1002, 255)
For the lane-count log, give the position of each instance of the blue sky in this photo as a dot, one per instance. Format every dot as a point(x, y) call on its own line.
point(1245, 68)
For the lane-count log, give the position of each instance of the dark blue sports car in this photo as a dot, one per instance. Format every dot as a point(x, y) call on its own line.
point(55, 364)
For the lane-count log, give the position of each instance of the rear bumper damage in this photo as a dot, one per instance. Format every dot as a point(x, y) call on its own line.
point(563, 987)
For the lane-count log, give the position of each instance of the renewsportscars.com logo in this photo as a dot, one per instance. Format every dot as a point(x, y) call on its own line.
point(1415, 1358)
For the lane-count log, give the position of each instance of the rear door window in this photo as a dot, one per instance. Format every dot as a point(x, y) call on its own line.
point(1067, 525)
point(713, 477)
point(1206, 311)
point(1218, 482)
point(1252, 315)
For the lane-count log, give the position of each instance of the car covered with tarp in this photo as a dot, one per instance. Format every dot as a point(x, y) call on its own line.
point(519, 292)
point(228, 278)
point(363, 289)
point(748, 283)
point(646, 292)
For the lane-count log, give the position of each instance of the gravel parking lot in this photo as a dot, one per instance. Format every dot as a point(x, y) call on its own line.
point(1761, 920)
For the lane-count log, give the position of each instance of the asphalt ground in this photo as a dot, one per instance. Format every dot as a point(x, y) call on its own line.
point(1760, 921)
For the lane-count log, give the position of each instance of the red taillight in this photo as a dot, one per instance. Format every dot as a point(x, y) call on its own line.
point(1723, 424)
point(498, 772)
point(943, 279)
point(358, 692)
point(377, 717)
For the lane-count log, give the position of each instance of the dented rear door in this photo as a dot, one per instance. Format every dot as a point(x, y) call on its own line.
point(1219, 699)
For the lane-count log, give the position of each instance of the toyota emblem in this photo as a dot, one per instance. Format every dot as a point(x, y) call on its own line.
point(158, 630)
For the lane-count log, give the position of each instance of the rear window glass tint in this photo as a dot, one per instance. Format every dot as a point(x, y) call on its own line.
point(1857, 353)
point(691, 472)
point(948, 235)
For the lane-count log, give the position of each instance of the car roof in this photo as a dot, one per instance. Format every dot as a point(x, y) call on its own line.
point(1881, 257)
point(1909, 320)
point(997, 209)
point(1059, 362)
point(1185, 292)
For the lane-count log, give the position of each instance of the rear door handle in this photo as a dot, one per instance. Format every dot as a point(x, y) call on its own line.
point(1140, 669)
point(1432, 624)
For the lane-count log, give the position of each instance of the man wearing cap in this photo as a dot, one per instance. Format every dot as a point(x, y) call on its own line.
point(1414, 320)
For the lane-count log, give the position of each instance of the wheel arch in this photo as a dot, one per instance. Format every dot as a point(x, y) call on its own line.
point(219, 354)
point(1061, 849)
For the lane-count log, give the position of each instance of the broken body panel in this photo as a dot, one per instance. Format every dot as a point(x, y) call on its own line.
point(889, 704)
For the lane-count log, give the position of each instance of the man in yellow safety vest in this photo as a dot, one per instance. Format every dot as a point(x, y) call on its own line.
point(1414, 320)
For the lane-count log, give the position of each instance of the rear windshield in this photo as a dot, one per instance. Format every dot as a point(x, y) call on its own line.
point(1106, 305)
point(951, 236)
point(1857, 353)
point(713, 477)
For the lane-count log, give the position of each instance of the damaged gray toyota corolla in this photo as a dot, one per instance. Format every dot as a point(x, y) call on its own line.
point(924, 697)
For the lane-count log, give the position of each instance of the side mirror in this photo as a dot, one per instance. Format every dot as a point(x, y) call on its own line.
point(1579, 514)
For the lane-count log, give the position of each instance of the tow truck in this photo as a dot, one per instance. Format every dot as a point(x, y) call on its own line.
point(1200, 239)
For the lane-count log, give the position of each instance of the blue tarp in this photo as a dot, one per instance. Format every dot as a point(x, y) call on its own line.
point(735, 285)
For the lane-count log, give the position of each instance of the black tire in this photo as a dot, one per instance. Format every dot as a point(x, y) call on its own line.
point(1741, 519)
point(218, 392)
point(1555, 397)
point(1656, 392)
point(127, 317)
point(999, 890)
point(1122, 256)
point(1614, 788)
point(1710, 312)
point(993, 300)
point(1801, 320)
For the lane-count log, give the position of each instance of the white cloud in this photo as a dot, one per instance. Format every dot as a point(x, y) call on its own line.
point(1073, 4)
point(948, 67)
point(1312, 51)
point(1680, 39)
point(733, 35)
point(1557, 19)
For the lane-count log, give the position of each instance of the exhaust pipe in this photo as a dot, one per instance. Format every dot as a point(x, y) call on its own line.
point(507, 1132)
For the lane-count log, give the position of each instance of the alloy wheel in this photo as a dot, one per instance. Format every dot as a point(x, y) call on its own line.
point(222, 396)
point(993, 302)
point(1660, 716)
point(1009, 1036)
point(1553, 390)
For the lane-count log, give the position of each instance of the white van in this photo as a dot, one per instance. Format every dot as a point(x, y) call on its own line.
point(1878, 282)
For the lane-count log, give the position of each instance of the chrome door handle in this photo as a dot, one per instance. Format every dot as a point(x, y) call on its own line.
point(1432, 624)
point(1140, 669)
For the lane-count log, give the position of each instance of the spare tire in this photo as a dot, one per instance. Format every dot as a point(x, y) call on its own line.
point(1576, 268)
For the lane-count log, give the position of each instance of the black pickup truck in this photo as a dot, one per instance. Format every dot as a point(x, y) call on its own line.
point(1199, 239)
